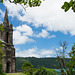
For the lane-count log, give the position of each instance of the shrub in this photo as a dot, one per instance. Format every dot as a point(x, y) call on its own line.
point(0, 67)
point(2, 73)
point(45, 71)
point(28, 68)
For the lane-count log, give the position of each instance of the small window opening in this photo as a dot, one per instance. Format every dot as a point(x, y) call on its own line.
point(7, 37)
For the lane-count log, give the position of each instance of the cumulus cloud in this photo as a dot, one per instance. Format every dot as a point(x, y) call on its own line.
point(33, 52)
point(57, 49)
point(49, 15)
point(17, 49)
point(25, 29)
point(2, 14)
point(19, 37)
point(24, 33)
point(44, 34)
point(27, 53)
point(46, 52)
point(1, 22)
point(16, 8)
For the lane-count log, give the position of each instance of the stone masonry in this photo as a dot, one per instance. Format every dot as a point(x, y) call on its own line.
point(9, 51)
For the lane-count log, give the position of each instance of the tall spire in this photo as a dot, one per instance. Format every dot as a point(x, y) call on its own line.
point(6, 21)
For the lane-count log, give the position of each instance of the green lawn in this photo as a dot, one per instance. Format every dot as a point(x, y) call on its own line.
point(15, 74)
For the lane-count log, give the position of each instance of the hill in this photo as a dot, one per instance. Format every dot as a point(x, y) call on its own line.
point(46, 62)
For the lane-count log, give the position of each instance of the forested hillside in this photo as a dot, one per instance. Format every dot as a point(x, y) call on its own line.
point(46, 62)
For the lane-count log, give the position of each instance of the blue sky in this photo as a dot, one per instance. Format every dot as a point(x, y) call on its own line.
point(38, 30)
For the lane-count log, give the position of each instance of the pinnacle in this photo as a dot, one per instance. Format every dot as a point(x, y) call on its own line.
point(6, 21)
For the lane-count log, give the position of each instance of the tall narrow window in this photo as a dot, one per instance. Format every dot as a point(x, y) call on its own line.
point(8, 67)
point(7, 37)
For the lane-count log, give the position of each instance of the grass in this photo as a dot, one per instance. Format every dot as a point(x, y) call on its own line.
point(15, 74)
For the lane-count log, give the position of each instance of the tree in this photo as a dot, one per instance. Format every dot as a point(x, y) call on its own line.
point(30, 3)
point(68, 5)
point(44, 71)
point(1, 53)
point(28, 68)
point(33, 3)
point(1, 57)
point(61, 57)
point(71, 63)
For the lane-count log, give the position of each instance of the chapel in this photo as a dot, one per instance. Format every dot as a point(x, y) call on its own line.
point(6, 36)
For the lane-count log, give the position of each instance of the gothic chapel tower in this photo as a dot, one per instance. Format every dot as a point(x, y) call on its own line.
point(9, 51)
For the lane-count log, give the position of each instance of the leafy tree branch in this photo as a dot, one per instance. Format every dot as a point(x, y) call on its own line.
point(68, 5)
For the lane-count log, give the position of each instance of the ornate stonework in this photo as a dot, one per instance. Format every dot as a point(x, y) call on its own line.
point(9, 51)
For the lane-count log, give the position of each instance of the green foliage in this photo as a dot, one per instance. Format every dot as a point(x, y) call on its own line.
point(1, 57)
point(71, 63)
point(44, 71)
point(1, 1)
point(1, 52)
point(48, 62)
point(15, 74)
point(30, 3)
point(0, 67)
point(2, 73)
point(26, 65)
point(68, 5)
point(28, 68)
point(61, 57)
point(1, 27)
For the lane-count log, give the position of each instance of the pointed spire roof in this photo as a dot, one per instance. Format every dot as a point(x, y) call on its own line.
point(6, 21)
point(11, 25)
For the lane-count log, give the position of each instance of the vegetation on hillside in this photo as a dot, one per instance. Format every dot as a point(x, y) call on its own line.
point(44, 71)
point(1, 54)
point(29, 70)
point(46, 62)
point(71, 63)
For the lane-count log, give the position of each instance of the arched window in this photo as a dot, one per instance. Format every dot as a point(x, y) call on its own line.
point(8, 67)
point(7, 37)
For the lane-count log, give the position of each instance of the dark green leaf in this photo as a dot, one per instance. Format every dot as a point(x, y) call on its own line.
point(1, 1)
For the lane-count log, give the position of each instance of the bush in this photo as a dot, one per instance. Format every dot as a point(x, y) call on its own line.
point(28, 68)
point(45, 71)
point(1, 71)
point(0, 68)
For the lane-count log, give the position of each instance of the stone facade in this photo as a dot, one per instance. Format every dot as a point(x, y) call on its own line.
point(9, 51)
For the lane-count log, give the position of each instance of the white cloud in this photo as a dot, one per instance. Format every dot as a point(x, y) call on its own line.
point(17, 49)
point(46, 52)
point(43, 34)
point(48, 56)
point(1, 22)
point(20, 39)
point(25, 29)
point(49, 15)
point(14, 9)
point(2, 14)
point(21, 33)
point(57, 49)
point(27, 53)
point(35, 53)
point(52, 36)
point(61, 48)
